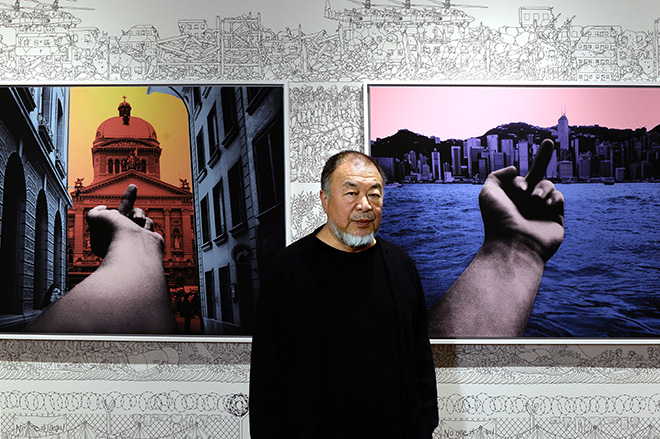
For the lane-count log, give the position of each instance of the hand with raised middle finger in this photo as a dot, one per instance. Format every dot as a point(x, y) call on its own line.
point(107, 225)
point(127, 293)
point(527, 209)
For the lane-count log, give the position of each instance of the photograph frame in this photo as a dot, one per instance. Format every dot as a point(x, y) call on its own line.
point(370, 137)
point(281, 202)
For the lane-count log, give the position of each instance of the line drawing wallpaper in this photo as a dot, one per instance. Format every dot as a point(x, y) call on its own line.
point(325, 51)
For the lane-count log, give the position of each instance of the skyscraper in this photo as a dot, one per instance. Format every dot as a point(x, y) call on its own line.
point(471, 149)
point(564, 131)
point(492, 142)
point(435, 165)
point(507, 149)
point(523, 157)
point(456, 160)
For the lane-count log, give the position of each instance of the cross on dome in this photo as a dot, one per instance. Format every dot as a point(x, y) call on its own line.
point(125, 111)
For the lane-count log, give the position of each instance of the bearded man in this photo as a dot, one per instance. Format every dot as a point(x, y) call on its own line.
point(340, 347)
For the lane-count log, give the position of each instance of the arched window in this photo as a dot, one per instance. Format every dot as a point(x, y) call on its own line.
point(110, 166)
point(40, 251)
point(117, 166)
point(58, 256)
point(12, 238)
point(144, 166)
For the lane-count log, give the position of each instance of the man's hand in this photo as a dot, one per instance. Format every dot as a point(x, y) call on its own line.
point(105, 224)
point(528, 210)
point(128, 292)
point(524, 225)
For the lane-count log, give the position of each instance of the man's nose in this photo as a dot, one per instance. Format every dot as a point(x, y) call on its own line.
point(363, 203)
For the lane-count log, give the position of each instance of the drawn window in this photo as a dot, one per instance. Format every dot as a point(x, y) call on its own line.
point(255, 96)
point(253, 92)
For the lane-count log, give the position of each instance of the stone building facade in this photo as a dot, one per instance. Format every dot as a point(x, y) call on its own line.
point(237, 148)
point(34, 200)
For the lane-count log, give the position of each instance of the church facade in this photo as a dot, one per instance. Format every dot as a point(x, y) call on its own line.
point(126, 150)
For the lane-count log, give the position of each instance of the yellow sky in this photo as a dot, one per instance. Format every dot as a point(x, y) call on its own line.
point(89, 106)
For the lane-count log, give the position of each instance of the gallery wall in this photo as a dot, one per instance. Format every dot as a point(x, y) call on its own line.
point(325, 52)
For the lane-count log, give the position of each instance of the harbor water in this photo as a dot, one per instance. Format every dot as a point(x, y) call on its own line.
point(603, 282)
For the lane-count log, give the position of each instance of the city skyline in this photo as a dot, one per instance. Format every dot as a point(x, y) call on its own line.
point(473, 110)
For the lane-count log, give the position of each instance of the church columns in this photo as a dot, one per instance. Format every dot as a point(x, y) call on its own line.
point(79, 230)
point(168, 233)
point(187, 232)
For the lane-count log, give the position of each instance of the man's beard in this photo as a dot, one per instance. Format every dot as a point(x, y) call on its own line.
point(353, 241)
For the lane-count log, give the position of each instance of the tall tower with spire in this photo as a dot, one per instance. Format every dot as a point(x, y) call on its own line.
point(564, 135)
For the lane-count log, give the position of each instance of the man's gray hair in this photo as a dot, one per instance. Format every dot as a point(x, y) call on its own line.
point(333, 163)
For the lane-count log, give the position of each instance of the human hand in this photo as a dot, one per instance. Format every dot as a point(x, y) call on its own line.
point(527, 211)
point(107, 225)
point(127, 293)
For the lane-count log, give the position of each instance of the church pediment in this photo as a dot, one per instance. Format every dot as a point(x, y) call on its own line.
point(147, 186)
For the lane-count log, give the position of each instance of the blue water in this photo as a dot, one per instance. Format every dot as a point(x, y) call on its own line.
point(603, 282)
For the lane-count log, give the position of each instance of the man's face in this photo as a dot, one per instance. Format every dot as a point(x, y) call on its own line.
point(354, 205)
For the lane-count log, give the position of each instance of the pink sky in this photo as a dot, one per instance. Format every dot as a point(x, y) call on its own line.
point(449, 111)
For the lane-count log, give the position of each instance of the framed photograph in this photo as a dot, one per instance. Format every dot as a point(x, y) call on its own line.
point(208, 164)
point(437, 143)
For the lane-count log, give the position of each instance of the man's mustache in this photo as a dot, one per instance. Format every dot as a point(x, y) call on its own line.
point(366, 216)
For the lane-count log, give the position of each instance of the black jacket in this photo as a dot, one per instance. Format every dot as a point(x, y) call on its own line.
point(283, 375)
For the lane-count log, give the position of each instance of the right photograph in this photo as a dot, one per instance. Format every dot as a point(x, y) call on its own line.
point(437, 144)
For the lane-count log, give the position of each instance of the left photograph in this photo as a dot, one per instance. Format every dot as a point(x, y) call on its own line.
point(138, 210)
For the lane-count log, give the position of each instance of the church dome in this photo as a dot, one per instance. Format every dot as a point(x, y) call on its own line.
point(125, 127)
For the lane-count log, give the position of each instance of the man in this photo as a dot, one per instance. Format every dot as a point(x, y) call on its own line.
point(340, 346)
point(302, 337)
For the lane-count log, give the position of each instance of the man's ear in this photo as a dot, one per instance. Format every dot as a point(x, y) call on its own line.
point(324, 201)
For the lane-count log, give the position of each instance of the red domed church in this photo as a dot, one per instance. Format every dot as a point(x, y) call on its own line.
point(126, 150)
